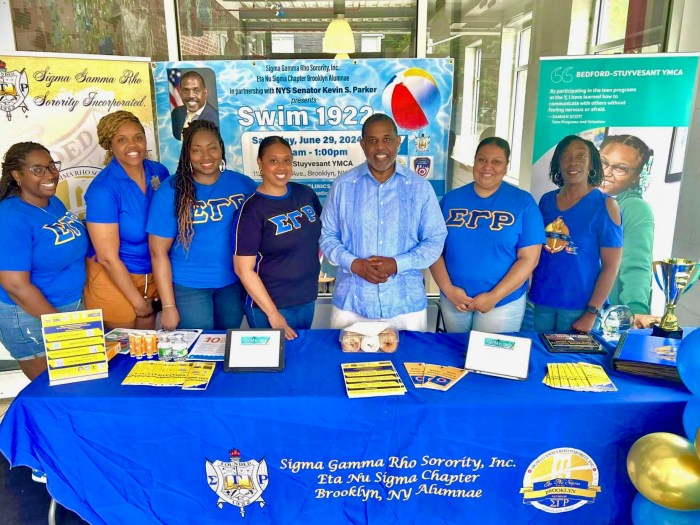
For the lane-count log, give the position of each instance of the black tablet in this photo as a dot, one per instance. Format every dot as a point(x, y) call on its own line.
point(254, 350)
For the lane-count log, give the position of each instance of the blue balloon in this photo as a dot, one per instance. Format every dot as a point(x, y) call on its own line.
point(644, 512)
point(691, 418)
point(688, 361)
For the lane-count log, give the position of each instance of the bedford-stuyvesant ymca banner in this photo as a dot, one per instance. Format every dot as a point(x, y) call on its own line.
point(319, 107)
point(638, 107)
point(57, 100)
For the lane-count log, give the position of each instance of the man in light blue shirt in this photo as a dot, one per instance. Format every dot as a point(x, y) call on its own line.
point(382, 226)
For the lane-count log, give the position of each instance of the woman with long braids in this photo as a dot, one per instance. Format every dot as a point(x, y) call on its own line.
point(119, 276)
point(627, 161)
point(42, 261)
point(580, 259)
point(190, 224)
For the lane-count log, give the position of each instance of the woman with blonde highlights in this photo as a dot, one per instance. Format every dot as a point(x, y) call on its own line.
point(119, 278)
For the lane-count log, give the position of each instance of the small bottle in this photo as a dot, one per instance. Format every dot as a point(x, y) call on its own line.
point(179, 347)
point(139, 346)
point(165, 349)
point(150, 345)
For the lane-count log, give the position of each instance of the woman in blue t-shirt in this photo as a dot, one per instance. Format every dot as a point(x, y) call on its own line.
point(494, 238)
point(276, 243)
point(119, 275)
point(580, 259)
point(189, 225)
point(42, 261)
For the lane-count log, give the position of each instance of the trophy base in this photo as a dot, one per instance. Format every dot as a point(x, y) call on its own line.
point(657, 331)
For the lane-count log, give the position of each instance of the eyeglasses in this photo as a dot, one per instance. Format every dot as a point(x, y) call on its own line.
point(40, 171)
point(618, 170)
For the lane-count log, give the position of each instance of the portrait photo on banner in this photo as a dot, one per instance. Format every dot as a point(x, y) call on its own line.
point(193, 96)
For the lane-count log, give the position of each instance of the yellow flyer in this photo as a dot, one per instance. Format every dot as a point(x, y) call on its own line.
point(75, 346)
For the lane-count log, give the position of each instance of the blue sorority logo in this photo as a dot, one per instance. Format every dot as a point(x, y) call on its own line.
point(421, 165)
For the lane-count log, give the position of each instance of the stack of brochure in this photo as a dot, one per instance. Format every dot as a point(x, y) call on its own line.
point(436, 377)
point(375, 378)
point(188, 375)
point(582, 377)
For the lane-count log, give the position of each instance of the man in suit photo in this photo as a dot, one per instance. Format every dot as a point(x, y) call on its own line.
point(193, 92)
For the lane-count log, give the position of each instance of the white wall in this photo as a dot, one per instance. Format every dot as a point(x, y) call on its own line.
point(686, 241)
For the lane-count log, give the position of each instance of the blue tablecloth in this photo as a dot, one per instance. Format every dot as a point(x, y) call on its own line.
point(305, 453)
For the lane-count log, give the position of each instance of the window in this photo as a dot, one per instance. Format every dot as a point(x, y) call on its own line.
point(99, 27)
point(282, 43)
point(515, 135)
point(628, 26)
point(490, 46)
point(253, 29)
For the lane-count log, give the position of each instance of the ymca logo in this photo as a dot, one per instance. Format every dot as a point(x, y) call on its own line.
point(237, 482)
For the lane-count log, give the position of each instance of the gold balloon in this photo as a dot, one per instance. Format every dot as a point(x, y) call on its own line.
point(666, 470)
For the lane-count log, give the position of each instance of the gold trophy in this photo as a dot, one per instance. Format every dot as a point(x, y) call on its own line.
point(675, 277)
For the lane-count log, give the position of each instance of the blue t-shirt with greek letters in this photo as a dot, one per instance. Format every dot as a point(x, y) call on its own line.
point(50, 243)
point(209, 261)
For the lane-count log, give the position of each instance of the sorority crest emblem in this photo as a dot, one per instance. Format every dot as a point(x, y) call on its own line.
point(237, 482)
point(422, 143)
point(14, 89)
point(561, 480)
point(421, 165)
point(558, 238)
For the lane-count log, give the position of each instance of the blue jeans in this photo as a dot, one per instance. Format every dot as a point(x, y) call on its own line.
point(300, 316)
point(209, 308)
point(549, 319)
point(501, 319)
point(20, 332)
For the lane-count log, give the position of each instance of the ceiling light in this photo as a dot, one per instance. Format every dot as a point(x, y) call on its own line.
point(338, 37)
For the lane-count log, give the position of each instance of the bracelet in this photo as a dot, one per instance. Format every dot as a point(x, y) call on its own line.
point(593, 310)
point(168, 306)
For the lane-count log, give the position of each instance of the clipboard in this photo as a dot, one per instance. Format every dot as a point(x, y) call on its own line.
point(254, 350)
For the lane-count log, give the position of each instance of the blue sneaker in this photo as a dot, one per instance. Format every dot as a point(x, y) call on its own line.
point(38, 476)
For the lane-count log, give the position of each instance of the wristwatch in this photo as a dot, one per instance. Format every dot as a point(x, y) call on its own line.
point(593, 310)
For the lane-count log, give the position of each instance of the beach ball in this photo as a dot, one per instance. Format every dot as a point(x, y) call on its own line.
point(412, 98)
point(688, 361)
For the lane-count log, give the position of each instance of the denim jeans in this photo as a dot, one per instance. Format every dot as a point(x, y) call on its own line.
point(501, 319)
point(549, 319)
point(20, 332)
point(210, 308)
point(297, 317)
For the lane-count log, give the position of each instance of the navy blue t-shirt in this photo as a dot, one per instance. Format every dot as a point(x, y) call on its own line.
point(283, 233)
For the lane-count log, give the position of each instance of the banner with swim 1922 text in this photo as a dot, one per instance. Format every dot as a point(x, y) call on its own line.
point(319, 107)
point(636, 110)
point(57, 100)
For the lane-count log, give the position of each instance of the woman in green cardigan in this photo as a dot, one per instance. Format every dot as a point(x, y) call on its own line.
point(626, 161)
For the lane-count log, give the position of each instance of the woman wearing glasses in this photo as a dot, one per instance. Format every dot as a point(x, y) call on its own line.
point(119, 276)
point(626, 162)
point(583, 228)
point(42, 261)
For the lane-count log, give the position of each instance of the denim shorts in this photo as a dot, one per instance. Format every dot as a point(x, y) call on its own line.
point(20, 332)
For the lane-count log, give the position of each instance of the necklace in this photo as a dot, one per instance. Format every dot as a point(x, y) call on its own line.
point(40, 208)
